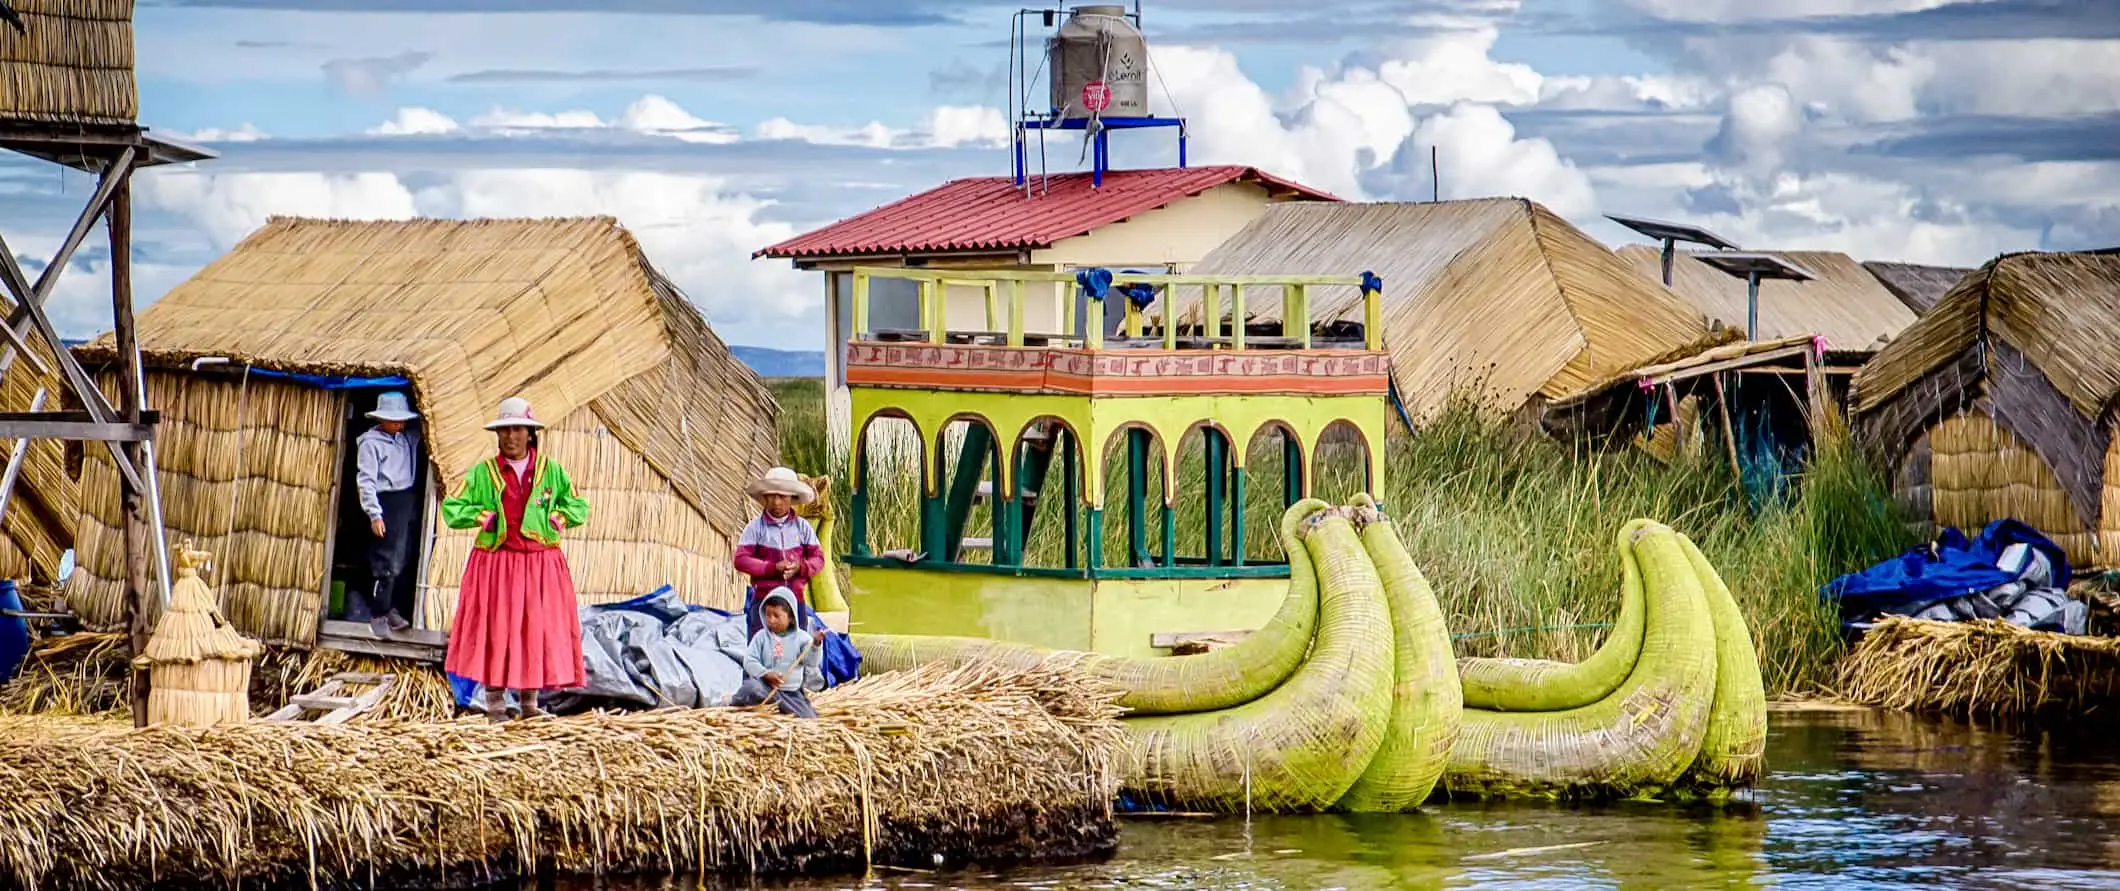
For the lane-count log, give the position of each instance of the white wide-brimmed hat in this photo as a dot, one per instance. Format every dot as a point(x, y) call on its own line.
point(515, 412)
point(393, 406)
point(781, 481)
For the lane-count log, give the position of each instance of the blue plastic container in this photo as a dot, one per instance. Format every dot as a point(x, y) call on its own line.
point(14, 632)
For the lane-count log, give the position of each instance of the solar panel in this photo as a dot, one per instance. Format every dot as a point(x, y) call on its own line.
point(1747, 265)
point(1663, 230)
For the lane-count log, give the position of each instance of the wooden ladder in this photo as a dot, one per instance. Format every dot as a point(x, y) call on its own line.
point(337, 708)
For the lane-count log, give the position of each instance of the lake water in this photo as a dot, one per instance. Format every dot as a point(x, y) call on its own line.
point(1863, 800)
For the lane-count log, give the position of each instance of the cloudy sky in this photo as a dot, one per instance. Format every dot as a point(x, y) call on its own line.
point(1921, 130)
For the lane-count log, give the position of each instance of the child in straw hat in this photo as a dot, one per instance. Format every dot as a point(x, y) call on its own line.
point(780, 658)
point(517, 623)
point(778, 549)
point(386, 463)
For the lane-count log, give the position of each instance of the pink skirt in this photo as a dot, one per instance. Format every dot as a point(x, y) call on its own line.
point(517, 625)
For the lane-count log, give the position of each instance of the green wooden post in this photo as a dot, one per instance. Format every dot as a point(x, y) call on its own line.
point(1236, 525)
point(1170, 535)
point(1006, 516)
point(1136, 496)
point(1093, 534)
point(1217, 477)
point(1071, 496)
point(963, 487)
point(1291, 470)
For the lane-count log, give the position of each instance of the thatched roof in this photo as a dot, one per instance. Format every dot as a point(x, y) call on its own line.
point(2026, 339)
point(71, 63)
point(558, 311)
point(1845, 303)
point(38, 525)
point(659, 424)
point(1497, 293)
point(2062, 311)
point(1917, 286)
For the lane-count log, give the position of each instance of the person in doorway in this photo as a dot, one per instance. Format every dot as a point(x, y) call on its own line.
point(780, 660)
point(778, 549)
point(517, 626)
point(384, 468)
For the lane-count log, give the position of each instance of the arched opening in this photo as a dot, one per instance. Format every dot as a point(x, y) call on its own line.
point(1341, 466)
point(1046, 515)
point(967, 473)
point(887, 489)
point(1139, 533)
point(1206, 513)
point(1270, 481)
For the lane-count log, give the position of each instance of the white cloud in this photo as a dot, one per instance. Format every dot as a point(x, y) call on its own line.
point(1356, 133)
point(1768, 10)
point(231, 205)
point(1479, 155)
point(948, 126)
point(659, 115)
point(1757, 128)
point(696, 228)
point(506, 119)
point(415, 122)
point(952, 126)
point(249, 132)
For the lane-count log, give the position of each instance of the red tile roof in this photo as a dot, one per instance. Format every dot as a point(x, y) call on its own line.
point(993, 213)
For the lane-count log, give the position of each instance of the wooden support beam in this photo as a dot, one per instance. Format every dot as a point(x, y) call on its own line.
point(70, 425)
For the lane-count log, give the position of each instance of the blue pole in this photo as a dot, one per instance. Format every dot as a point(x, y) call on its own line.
point(1752, 306)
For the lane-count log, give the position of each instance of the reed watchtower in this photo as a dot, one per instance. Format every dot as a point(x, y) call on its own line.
point(68, 96)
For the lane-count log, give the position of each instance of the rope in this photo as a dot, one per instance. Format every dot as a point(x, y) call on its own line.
point(1527, 628)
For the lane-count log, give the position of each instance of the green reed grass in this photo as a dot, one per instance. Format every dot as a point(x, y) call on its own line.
point(1514, 529)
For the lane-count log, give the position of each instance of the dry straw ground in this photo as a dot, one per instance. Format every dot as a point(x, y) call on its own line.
point(897, 770)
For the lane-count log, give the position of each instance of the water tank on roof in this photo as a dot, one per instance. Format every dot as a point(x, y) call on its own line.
point(1099, 45)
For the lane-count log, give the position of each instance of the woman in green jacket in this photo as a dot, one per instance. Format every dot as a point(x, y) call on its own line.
point(517, 626)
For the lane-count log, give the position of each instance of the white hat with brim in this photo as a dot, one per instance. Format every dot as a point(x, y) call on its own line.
point(392, 406)
point(781, 481)
point(515, 412)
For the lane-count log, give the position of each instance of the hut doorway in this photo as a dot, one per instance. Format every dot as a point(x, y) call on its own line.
point(351, 535)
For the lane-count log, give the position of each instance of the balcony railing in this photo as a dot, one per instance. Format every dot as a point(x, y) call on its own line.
point(998, 285)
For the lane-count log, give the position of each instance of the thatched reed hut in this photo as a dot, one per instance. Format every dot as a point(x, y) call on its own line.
point(1497, 295)
point(1844, 304)
point(305, 322)
point(1916, 285)
point(37, 527)
point(2000, 401)
point(70, 63)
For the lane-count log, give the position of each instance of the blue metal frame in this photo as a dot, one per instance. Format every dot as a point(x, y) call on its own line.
point(1100, 140)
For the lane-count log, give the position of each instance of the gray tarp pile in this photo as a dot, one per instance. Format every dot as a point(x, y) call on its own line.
point(654, 651)
point(2030, 601)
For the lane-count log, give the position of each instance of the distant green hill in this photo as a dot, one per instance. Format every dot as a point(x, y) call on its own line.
point(781, 363)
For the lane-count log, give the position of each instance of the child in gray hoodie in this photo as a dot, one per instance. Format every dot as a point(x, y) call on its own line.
point(781, 657)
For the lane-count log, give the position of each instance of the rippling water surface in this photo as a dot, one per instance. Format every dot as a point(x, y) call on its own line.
point(1854, 800)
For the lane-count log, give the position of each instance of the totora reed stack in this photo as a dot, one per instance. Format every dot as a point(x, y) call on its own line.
point(897, 770)
point(198, 664)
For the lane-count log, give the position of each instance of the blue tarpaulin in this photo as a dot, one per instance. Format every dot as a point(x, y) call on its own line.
point(1950, 567)
point(335, 381)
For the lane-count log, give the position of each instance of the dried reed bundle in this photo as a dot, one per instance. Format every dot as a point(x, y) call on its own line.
point(421, 691)
point(199, 665)
point(78, 674)
point(898, 768)
point(72, 63)
point(1987, 668)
